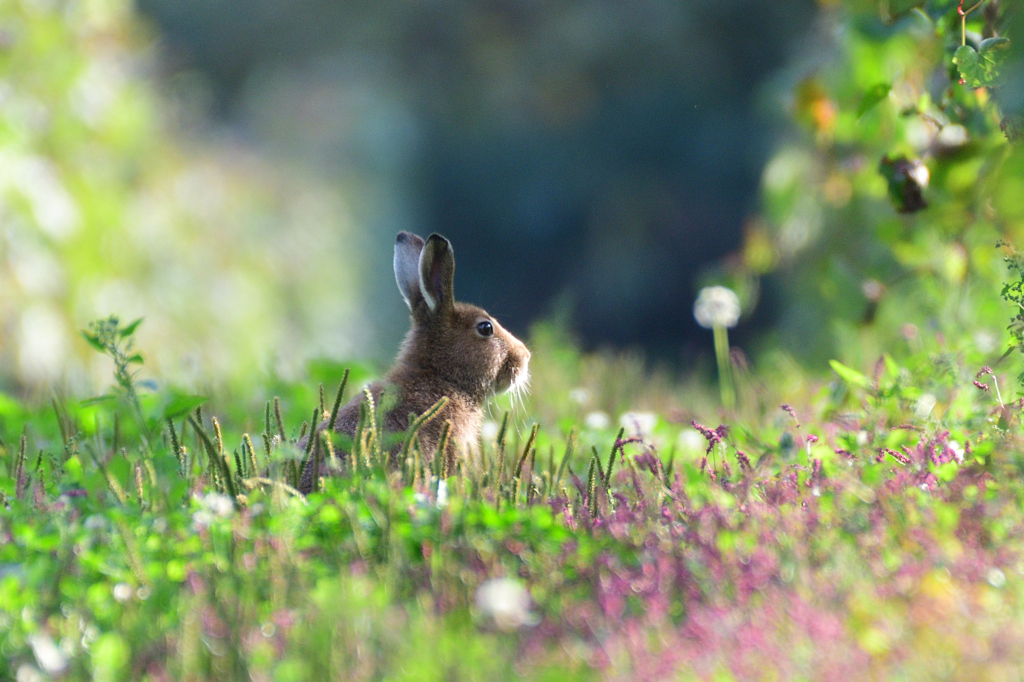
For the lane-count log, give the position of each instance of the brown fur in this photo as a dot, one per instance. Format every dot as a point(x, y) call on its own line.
point(442, 355)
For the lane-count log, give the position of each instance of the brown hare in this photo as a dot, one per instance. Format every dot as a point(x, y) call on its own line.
point(453, 350)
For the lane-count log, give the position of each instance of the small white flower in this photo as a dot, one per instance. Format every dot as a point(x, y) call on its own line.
point(597, 420)
point(717, 307)
point(28, 673)
point(872, 289)
point(123, 592)
point(954, 135)
point(219, 504)
point(48, 655)
point(505, 602)
point(442, 494)
point(95, 522)
point(862, 438)
point(580, 396)
point(958, 451)
point(924, 406)
point(211, 506)
point(201, 519)
point(489, 431)
point(638, 423)
point(995, 577)
point(985, 341)
point(919, 173)
point(691, 441)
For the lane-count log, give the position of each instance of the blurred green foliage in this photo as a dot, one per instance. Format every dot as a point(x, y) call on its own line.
point(109, 204)
point(882, 211)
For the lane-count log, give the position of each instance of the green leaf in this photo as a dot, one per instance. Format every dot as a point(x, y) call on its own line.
point(990, 44)
point(98, 399)
point(73, 469)
point(130, 329)
point(892, 370)
point(850, 376)
point(872, 97)
point(183, 403)
point(980, 68)
point(966, 60)
point(94, 341)
point(135, 358)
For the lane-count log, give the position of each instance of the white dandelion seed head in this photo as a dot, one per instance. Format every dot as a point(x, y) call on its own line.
point(717, 307)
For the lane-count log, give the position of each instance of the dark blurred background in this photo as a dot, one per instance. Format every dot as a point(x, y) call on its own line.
point(593, 159)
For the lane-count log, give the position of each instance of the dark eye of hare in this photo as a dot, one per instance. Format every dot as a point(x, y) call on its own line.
point(485, 328)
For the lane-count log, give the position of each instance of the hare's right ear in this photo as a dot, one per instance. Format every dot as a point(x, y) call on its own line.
point(407, 267)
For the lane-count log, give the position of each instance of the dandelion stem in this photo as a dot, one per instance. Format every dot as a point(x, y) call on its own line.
point(725, 382)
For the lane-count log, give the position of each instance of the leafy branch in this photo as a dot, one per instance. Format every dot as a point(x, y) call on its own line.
point(117, 342)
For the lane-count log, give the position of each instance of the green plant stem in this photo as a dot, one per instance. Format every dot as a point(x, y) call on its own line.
point(725, 383)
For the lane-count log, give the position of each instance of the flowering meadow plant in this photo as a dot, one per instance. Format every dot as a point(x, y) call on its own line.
point(847, 534)
point(851, 518)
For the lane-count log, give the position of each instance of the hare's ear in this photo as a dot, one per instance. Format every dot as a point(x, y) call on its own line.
point(437, 274)
point(407, 267)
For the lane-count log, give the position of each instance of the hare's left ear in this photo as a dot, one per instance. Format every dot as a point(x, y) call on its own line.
point(407, 267)
point(437, 274)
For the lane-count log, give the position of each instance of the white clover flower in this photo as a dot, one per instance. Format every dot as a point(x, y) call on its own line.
point(123, 592)
point(995, 577)
point(580, 396)
point(597, 420)
point(717, 307)
point(639, 423)
point(505, 602)
point(48, 655)
point(489, 430)
point(219, 504)
point(211, 506)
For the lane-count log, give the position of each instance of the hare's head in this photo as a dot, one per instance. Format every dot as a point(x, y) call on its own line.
point(456, 344)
